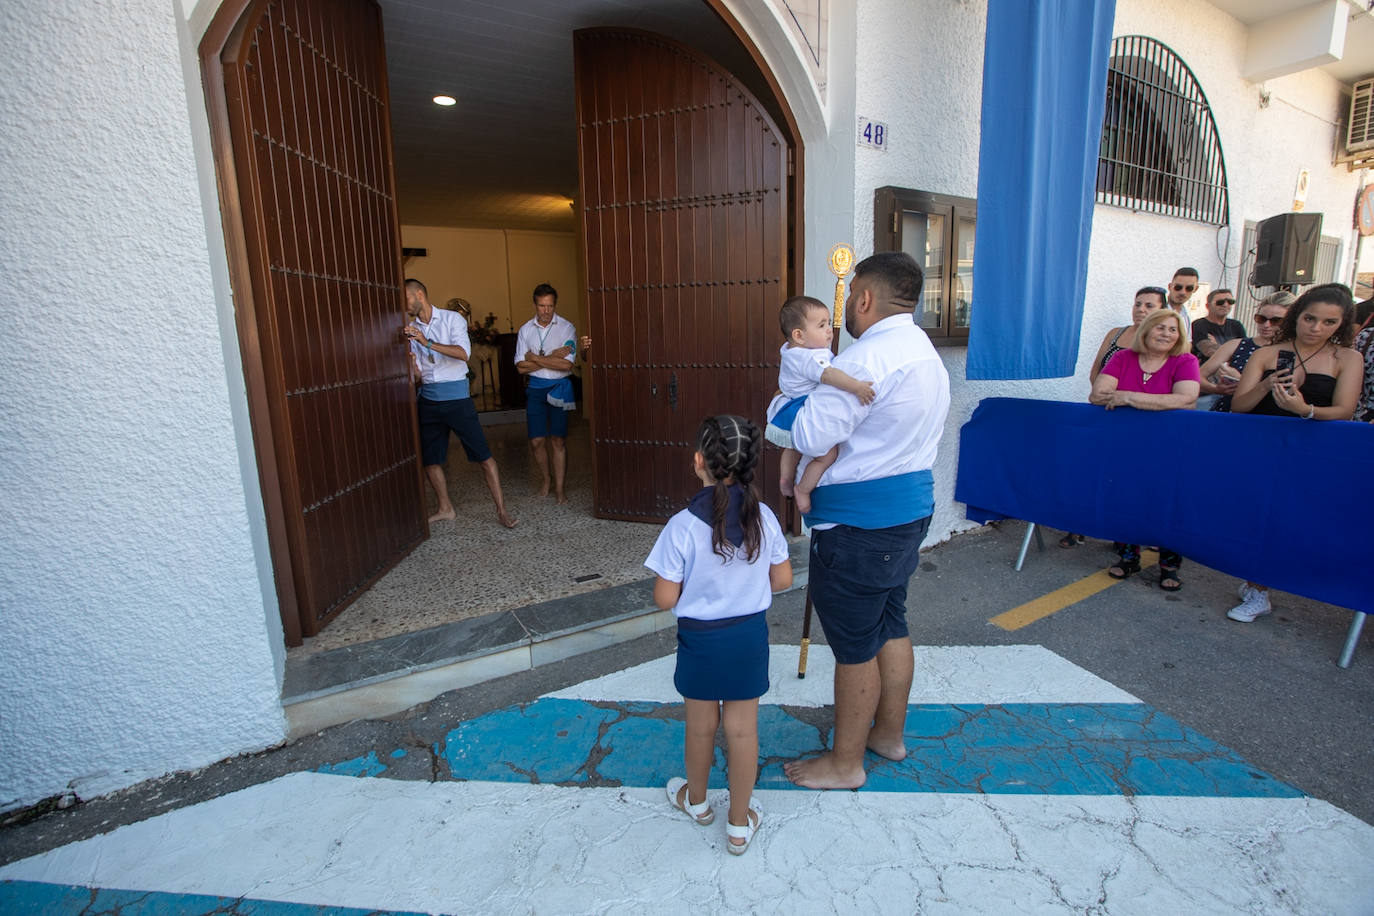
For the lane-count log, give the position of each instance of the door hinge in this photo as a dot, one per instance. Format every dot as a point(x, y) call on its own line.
point(791, 162)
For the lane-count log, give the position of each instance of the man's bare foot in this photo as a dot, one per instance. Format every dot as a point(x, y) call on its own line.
point(785, 486)
point(823, 773)
point(443, 515)
point(803, 501)
point(505, 518)
point(544, 490)
point(562, 499)
point(883, 746)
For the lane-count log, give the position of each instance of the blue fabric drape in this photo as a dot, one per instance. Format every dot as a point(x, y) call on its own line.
point(1274, 503)
point(1044, 87)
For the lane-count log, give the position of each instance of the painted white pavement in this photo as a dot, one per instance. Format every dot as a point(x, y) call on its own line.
point(1234, 840)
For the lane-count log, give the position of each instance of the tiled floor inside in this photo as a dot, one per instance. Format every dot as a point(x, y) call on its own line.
point(474, 566)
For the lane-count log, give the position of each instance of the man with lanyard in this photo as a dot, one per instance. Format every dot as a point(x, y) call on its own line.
point(544, 351)
point(439, 345)
point(870, 513)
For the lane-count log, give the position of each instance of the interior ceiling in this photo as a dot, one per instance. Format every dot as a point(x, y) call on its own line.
point(505, 157)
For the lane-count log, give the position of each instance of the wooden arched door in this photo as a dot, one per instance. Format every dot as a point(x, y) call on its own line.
point(297, 91)
point(684, 207)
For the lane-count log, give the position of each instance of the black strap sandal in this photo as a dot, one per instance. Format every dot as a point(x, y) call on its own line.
point(1167, 576)
point(1124, 569)
point(1071, 540)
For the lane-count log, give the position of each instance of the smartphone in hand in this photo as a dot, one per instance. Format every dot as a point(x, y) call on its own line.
point(1285, 362)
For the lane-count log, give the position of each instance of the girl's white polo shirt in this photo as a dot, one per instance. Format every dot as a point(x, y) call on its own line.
point(712, 588)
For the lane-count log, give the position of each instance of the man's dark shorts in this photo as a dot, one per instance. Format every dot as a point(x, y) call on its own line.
point(858, 580)
point(544, 419)
point(438, 418)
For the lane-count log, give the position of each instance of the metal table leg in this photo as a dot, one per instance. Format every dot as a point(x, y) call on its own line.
point(1025, 545)
point(1352, 638)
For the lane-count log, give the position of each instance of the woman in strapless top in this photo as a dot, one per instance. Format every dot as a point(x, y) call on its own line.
point(1310, 371)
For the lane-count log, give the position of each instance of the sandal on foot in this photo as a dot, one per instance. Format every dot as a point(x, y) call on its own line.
point(744, 831)
point(1167, 576)
point(1071, 540)
point(1124, 569)
point(677, 797)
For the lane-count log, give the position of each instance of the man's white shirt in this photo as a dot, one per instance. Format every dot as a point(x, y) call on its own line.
point(896, 434)
point(533, 338)
point(450, 329)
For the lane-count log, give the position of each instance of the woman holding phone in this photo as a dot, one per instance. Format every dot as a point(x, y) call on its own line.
point(1310, 371)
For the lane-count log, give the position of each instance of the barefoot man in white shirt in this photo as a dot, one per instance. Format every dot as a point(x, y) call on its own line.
point(440, 346)
point(870, 513)
point(544, 351)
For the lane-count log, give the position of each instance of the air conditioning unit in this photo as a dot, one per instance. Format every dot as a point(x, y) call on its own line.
point(1359, 129)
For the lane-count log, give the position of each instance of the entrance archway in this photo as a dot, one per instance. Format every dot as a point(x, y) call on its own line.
point(318, 183)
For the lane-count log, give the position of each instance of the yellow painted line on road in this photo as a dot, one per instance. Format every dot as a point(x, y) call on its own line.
point(1026, 614)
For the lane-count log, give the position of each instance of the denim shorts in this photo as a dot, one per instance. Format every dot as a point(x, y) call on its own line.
point(858, 581)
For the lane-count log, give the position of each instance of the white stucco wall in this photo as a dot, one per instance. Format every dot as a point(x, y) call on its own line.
point(135, 632)
point(920, 71)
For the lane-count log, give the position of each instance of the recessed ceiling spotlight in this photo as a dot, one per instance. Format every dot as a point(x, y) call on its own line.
point(445, 100)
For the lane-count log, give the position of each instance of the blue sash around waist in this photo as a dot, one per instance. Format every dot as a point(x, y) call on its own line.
point(787, 414)
point(557, 391)
point(872, 504)
point(445, 391)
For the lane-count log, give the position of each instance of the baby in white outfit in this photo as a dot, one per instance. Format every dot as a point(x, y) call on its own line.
point(805, 364)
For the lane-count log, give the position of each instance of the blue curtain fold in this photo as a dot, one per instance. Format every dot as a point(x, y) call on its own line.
point(1044, 88)
point(1283, 514)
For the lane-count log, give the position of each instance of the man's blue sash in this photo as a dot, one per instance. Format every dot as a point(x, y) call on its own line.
point(445, 391)
point(872, 504)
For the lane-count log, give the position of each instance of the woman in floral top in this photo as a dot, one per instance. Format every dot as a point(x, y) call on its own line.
point(1364, 342)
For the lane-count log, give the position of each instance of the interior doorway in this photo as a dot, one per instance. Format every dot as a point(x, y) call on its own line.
point(486, 196)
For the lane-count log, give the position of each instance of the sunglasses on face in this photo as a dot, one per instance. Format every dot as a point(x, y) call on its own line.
point(1180, 288)
point(1265, 319)
point(1223, 302)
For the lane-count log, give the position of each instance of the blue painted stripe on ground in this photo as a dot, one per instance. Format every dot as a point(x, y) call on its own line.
point(21, 898)
point(1020, 748)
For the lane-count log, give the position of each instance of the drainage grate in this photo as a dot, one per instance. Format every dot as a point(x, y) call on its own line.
point(581, 579)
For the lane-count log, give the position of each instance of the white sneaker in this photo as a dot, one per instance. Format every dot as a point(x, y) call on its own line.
point(1244, 589)
point(1256, 604)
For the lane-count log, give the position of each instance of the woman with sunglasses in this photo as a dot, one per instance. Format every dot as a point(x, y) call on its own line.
point(1157, 373)
point(1310, 371)
point(1222, 371)
point(1147, 300)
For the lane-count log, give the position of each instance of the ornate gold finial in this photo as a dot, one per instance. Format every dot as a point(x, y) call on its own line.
point(841, 262)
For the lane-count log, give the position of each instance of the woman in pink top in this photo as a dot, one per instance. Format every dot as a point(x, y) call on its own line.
point(1156, 373)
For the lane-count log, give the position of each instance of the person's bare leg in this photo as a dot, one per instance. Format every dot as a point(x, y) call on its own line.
point(742, 757)
point(703, 717)
point(857, 689)
point(494, 485)
point(812, 476)
point(787, 470)
point(896, 665)
point(558, 463)
point(541, 461)
point(435, 474)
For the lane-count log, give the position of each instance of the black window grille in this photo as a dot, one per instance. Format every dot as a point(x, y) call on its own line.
point(1160, 151)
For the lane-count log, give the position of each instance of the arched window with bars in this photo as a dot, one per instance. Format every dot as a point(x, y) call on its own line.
point(1160, 150)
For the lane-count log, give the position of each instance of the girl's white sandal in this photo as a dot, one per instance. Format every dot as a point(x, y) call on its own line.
point(743, 832)
point(701, 813)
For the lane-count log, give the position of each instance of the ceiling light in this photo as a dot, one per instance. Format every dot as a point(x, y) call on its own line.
point(445, 100)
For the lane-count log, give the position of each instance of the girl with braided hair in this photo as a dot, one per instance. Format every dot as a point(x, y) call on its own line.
point(717, 563)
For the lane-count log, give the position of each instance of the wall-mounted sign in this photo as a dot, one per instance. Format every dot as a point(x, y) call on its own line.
point(872, 133)
point(1300, 190)
point(1364, 211)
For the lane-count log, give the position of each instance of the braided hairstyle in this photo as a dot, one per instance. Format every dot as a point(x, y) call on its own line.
point(732, 447)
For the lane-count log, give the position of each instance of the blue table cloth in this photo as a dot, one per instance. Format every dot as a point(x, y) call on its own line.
point(1276, 500)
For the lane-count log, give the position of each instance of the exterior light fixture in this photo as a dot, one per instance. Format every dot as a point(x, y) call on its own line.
point(445, 100)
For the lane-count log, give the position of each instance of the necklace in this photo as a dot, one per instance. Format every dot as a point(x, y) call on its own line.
point(545, 336)
point(1146, 375)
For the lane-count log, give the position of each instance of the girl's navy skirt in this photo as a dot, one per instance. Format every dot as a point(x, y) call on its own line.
point(722, 659)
